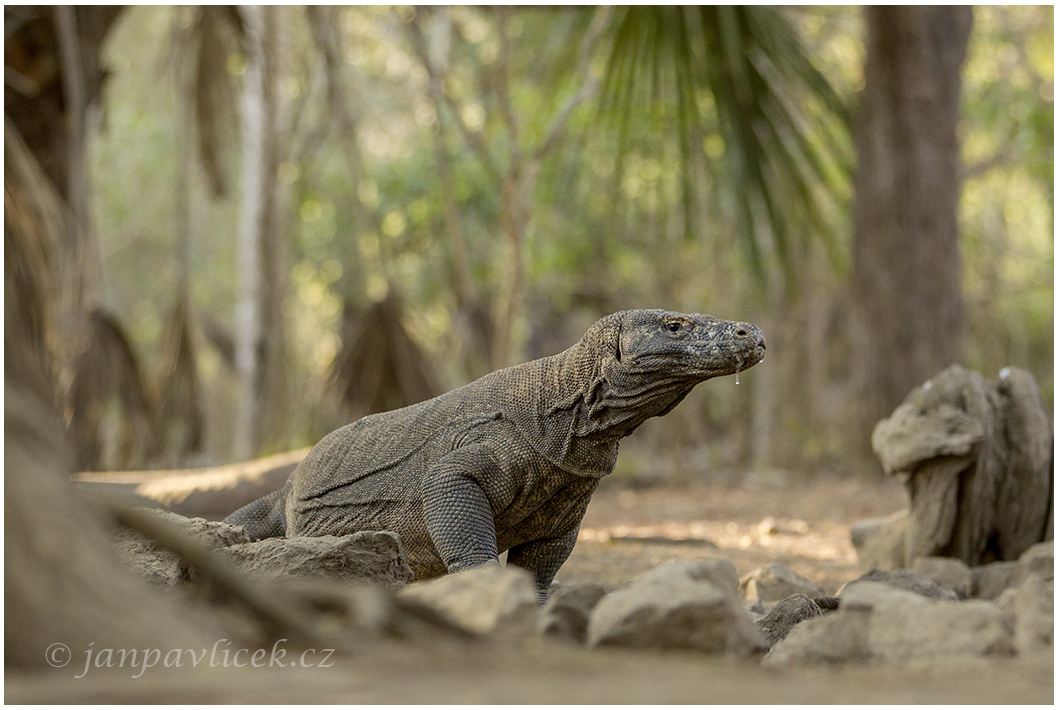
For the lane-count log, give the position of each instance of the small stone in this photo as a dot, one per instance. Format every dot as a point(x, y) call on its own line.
point(1033, 606)
point(1037, 560)
point(774, 582)
point(568, 610)
point(947, 572)
point(826, 603)
point(767, 526)
point(871, 595)
point(835, 638)
point(880, 542)
point(905, 579)
point(690, 604)
point(788, 612)
point(720, 573)
point(485, 600)
point(756, 608)
point(374, 557)
point(989, 581)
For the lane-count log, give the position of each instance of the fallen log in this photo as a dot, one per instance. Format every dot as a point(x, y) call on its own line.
point(210, 493)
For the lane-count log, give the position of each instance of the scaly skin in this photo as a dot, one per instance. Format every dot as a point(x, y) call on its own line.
point(509, 461)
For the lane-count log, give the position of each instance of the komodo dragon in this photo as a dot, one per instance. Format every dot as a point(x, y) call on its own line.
point(509, 461)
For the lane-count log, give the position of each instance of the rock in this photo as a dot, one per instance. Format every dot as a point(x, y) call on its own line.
point(947, 572)
point(914, 628)
point(756, 608)
point(880, 622)
point(880, 542)
point(838, 637)
point(690, 604)
point(989, 581)
point(868, 594)
point(774, 582)
point(374, 557)
point(1037, 560)
point(788, 612)
point(487, 599)
point(1033, 606)
point(164, 567)
point(567, 612)
point(718, 572)
point(904, 579)
point(826, 603)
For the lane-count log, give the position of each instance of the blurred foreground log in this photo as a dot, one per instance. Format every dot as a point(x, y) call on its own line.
point(63, 582)
point(976, 459)
point(210, 493)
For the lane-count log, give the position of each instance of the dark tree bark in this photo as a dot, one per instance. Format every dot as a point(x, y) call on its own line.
point(906, 255)
point(34, 97)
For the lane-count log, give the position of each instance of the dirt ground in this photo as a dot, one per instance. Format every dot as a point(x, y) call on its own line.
point(806, 527)
point(625, 533)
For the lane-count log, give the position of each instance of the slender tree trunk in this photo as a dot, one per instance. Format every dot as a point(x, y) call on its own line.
point(514, 214)
point(906, 257)
point(272, 381)
point(252, 212)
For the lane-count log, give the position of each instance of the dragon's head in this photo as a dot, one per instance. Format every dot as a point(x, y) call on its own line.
point(662, 345)
point(629, 366)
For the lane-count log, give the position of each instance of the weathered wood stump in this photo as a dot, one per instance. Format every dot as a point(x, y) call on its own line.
point(976, 459)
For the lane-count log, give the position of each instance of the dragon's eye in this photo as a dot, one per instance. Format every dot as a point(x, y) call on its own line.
point(674, 326)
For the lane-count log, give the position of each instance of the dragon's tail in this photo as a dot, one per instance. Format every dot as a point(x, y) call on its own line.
point(265, 517)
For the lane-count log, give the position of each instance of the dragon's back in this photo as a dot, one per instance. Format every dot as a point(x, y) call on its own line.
point(383, 456)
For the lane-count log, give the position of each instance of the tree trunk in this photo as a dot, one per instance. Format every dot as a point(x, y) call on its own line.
point(906, 256)
point(253, 209)
point(272, 382)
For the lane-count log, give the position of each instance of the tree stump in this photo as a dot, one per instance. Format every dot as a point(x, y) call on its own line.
point(976, 459)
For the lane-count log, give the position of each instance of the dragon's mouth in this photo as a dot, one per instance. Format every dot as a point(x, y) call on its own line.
point(746, 360)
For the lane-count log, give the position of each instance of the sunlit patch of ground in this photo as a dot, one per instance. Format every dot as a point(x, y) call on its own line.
point(806, 527)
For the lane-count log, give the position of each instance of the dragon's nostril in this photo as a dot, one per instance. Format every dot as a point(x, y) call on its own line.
point(741, 332)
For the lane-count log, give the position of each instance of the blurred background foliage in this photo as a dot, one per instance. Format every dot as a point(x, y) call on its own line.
point(459, 189)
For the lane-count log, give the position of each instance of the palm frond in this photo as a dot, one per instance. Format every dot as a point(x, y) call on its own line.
point(785, 128)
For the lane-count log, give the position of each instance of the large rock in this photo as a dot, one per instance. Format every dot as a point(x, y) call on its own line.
point(948, 572)
point(567, 612)
point(374, 557)
point(880, 622)
point(904, 579)
point(487, 599)
point(774, 582)
point(690, 604)
point(905, 626)
point(1033, 606)
point(794, 609)
point(164, 567)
